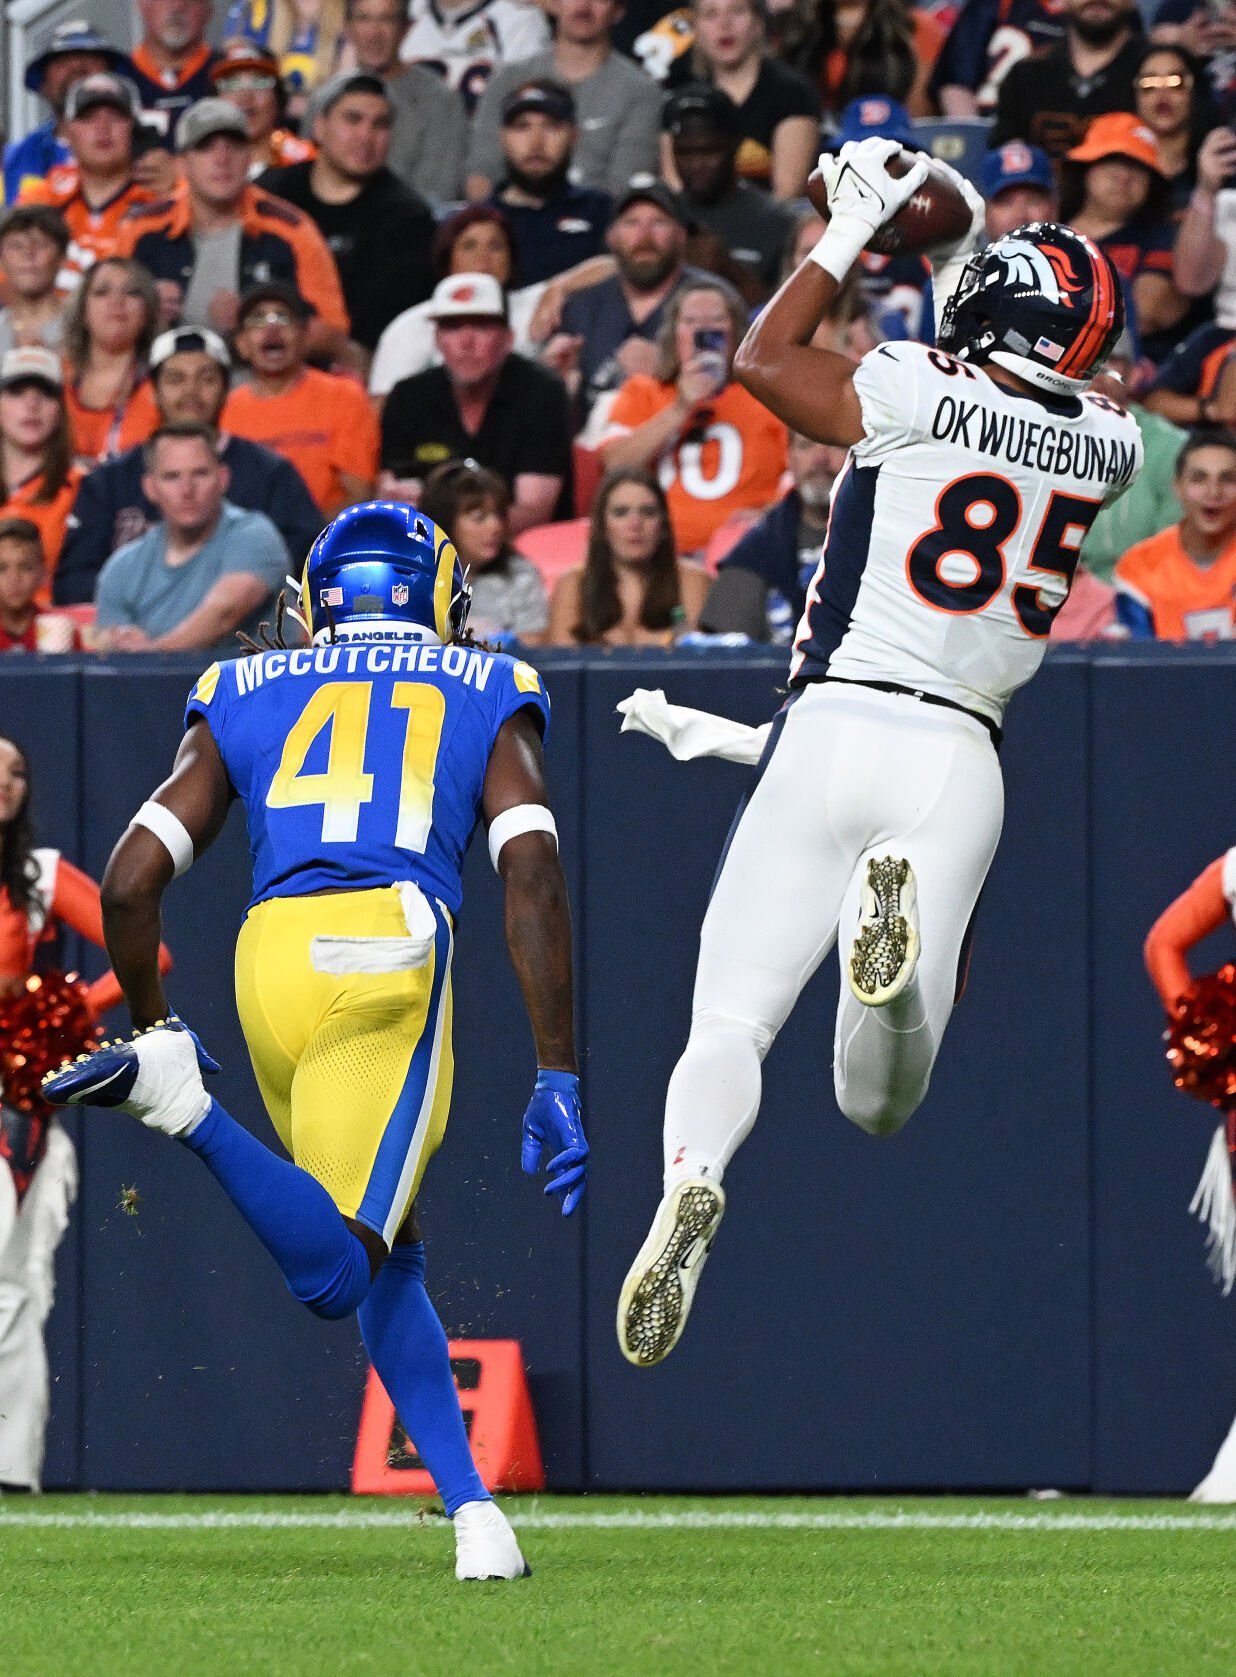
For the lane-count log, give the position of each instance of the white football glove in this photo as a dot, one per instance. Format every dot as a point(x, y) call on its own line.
point(948, 261)
point(859, 186)
point(968, 243)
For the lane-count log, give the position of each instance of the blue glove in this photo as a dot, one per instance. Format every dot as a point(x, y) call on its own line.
point(553, 1120)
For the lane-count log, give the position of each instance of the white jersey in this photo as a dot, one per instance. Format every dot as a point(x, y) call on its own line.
point(955, 527)
point(464, 46)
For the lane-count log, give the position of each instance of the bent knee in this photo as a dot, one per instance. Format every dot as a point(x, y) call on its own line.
point(332, 1307)
point(707, 1023)
point(879, 1114)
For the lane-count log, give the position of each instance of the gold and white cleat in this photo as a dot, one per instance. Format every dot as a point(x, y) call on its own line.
point(660, 1285)
point(885, 952)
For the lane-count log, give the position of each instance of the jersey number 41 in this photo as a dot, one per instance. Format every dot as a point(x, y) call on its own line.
point(343, 786)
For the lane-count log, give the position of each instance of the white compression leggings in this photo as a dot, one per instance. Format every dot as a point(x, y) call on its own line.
point(855, 774)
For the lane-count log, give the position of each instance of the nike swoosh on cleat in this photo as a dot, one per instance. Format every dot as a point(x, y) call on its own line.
point(95, 1087)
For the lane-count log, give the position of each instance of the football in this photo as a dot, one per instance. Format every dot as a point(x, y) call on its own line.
point(936, 214)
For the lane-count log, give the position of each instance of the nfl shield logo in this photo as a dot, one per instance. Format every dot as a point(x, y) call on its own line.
point(399, 594)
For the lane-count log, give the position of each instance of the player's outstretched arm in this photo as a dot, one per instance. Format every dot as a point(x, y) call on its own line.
point(152, 850)
point(523, 845)
point(811, 389)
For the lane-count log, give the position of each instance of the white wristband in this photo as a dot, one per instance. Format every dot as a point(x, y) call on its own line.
point(170, 831)
point(524, 818)
point(840, 245)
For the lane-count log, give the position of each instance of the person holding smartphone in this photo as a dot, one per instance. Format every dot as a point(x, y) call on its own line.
point(715, 449)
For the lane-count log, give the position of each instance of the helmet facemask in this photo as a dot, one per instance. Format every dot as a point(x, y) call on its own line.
point(1034, 303)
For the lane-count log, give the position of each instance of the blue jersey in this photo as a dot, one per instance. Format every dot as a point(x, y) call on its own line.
point(362, 765)
point(33, 159)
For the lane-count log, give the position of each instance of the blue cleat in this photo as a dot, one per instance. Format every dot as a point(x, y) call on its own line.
point(155, 1077)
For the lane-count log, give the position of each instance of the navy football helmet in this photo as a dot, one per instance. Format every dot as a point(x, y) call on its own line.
point(384, 567)
point(1042, 302)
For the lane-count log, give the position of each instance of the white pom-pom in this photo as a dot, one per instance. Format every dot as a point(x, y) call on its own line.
point(1214, 1204)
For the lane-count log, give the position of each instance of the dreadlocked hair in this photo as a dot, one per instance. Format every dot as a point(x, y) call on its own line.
point(274, 641)
point(266, 640)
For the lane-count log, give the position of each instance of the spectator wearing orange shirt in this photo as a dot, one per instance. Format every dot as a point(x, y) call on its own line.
point(97, 189)
point(715, 448)
point(38, 479)
point(109, 327)
point(322, 423)
point(1181, 584)
point(216, 235)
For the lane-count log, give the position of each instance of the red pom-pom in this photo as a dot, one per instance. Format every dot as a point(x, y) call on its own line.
point(45, 1023)
point(1201, 1041)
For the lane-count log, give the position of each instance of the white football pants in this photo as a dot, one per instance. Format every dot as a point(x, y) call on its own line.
point(855, 774)
point(29, 1237)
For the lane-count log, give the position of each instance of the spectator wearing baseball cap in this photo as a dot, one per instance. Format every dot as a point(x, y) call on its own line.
point(189, 368)
point(429, 126)
point(322, 423)
point(874, 116)
point(98, 187)
point(305, 40)
point(33, 240)
point(247, 76)
point(483, 403)
point(1019, 186)
point(609, 330)
point(705, 133)
point(378, 230)
point(217, 235)
point(74, 50)
point(38, 479)
point(1113, 189)
point(617, 106)
point(556, 224)
point(171, 64)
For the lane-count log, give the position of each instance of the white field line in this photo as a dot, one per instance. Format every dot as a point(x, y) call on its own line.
point(363, 1519)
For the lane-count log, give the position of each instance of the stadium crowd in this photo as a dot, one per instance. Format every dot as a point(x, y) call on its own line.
point(495, 258)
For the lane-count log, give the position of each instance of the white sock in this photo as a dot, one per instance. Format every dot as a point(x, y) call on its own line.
point(712, 1100)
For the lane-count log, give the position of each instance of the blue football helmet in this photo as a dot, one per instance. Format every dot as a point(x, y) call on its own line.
point(385, 567)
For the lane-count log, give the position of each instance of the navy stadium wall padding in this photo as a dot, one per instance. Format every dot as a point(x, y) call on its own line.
point(1009, 1294)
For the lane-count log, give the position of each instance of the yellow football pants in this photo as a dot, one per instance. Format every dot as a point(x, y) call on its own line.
point(355, 1068)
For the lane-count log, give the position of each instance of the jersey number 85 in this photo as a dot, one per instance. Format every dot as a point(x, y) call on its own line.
point(976, 516)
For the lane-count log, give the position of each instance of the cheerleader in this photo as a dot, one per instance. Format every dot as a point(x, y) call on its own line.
point(39, 891)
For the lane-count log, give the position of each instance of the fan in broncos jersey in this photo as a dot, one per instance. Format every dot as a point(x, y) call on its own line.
point(975, 470)
point(462, 42)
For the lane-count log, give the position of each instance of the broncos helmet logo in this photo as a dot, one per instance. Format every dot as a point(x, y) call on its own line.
point(1045, 269)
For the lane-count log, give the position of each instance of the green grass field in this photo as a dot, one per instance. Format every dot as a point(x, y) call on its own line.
point(770, 1587)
